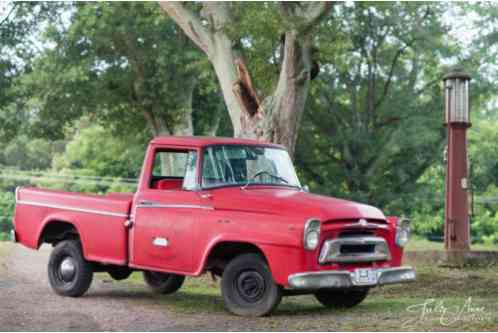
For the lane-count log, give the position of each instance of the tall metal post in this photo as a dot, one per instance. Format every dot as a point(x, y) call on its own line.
point(457, 121)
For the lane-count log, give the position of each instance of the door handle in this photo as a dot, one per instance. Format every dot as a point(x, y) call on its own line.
point(206, 195)
point(147, 203)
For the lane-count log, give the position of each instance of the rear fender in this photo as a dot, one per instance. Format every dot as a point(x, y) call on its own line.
point(65, 217)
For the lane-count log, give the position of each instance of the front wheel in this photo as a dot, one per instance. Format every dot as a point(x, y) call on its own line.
point(341, 298)
point(248, 288)
point(69, 273)
point(163, 283)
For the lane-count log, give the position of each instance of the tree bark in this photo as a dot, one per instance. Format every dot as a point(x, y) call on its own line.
point(277, 117)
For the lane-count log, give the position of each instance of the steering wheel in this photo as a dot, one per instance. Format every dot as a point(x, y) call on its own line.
point(264, 172)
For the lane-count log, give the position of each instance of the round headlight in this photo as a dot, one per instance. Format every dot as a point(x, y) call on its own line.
point(403, 232)
point(403, 237)
point(312, 239)
point(311, 234)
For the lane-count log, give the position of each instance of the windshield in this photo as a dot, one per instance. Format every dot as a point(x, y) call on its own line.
point(245, 165)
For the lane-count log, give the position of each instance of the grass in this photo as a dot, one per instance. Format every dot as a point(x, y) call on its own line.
point(455, 299)
point(418, 244)
point(5, 247)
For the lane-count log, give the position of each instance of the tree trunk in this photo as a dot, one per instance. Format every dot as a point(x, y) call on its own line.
point(284, 109)
point(277, 117)
point(223, 61)
point(183, 124)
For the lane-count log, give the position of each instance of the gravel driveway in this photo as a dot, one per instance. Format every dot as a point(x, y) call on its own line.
point(28, 303)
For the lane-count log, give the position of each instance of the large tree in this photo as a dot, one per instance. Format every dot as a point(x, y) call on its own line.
point(19, 27)
point(210, 26)
point(376, 124)
point(123, 65)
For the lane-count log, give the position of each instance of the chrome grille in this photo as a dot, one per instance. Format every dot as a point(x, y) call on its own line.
point(354, 249)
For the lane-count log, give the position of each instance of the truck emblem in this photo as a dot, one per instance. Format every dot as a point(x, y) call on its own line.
point(363, 222)
point(159, 241)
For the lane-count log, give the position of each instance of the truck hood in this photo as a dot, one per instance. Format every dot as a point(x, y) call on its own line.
point(293, 202)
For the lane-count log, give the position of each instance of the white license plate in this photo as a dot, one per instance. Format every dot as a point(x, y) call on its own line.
point(365, 276)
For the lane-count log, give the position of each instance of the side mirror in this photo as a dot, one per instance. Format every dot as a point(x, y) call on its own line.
point(306, 188)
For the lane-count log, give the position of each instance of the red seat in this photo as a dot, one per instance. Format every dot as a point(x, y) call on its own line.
point(169, 184)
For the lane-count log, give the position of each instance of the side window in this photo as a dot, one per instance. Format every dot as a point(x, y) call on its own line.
point(174, 170)
point(170, 164)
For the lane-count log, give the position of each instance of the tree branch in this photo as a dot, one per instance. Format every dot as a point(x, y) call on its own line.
point(305, 14)
point(8, 15)
point(218, 15)
point(400, 51)
point(316, 11)
point(190, 23)
point(244, 90)
point(429, 84)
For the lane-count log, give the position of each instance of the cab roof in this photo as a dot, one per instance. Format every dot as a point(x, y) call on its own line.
point(202, 141)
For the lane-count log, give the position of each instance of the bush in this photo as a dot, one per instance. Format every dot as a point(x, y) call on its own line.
point(485, 228)
point(428, 222)
point(7, 203)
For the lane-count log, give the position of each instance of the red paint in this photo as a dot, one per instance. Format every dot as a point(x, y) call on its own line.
point(457, 226)
point(271, 218)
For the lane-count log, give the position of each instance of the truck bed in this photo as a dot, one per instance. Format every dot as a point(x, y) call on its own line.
point(98, 219)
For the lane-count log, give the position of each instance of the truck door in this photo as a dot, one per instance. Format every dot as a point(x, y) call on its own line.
point(166, 211)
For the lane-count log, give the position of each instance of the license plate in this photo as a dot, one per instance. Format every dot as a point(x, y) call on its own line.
point(365, 276)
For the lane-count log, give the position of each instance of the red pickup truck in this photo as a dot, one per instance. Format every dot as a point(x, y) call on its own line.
point(231, 207)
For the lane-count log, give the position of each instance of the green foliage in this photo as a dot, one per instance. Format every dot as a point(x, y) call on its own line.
point(109, 76)
point(20, 23)
point(28, 153)
point(483, 152)
point(126, 64)
point(428, 203)
point(98, 160)
point(376, 120)
point(259, 30)
point(7, 202)
point(485, 227)
point(96, 149)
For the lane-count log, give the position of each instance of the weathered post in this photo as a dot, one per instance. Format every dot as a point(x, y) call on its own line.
point(457, 121)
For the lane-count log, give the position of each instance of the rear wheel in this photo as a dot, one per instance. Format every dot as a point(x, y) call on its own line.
point(69, 273)
point(341, 298)
point(163, 283)
point(248, 288)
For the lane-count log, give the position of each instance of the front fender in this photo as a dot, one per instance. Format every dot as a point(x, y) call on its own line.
point(276, 254)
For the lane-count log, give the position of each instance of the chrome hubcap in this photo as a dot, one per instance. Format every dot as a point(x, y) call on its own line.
point(67, 269)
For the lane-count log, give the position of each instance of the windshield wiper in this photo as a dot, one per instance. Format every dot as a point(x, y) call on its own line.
point(264, 172)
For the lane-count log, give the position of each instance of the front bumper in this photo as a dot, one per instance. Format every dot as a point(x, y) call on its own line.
point(346, 279)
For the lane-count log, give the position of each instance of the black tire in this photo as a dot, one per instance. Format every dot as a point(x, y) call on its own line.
point(248, 288)
point(69, 273)
point(341, 298)
point(163, 283)
point(119, 272)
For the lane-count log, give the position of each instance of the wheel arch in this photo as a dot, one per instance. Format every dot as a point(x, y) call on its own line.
point(224, 250)
point(55, 229)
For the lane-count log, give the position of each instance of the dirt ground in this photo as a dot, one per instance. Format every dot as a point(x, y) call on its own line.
point(27, 303)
